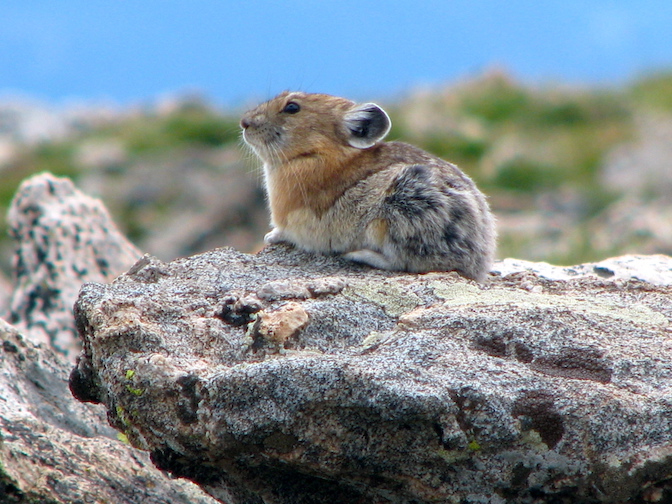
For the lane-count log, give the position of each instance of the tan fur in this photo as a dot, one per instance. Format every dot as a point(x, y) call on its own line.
point(321, 167)
point(334, 186)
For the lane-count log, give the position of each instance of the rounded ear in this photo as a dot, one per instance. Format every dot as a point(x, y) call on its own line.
point(366, 125)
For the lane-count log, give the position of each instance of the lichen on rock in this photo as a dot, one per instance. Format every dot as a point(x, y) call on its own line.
point(290, 377)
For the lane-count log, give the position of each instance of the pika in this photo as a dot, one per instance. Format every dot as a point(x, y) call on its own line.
point(334, 186)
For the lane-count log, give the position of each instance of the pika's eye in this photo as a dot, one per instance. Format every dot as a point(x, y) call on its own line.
point(292, 108)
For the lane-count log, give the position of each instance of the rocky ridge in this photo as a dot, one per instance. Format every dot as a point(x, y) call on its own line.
point(288, 377)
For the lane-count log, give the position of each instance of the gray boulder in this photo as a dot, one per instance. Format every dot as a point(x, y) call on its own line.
point(63, 238)
point(289, 377)
point(54, 449)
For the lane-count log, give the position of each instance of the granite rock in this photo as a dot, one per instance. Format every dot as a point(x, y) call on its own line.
point(54, 449)
point(57, 450)
point(289, 377)
point(63, 238)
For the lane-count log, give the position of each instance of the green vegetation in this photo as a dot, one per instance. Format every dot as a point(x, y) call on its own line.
point(142, 136)
point(191, 125)
point(654, 92)
point(554, 136)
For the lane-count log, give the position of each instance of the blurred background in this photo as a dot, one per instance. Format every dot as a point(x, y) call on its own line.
point(560, 110)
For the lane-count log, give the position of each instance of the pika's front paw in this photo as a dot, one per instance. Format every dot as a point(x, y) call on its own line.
point(371, 258)
point(274, 236)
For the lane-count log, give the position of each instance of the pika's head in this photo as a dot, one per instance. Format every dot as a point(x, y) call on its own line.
point(294, 125)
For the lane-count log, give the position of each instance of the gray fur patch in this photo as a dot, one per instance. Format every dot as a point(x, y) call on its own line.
point(435, 226)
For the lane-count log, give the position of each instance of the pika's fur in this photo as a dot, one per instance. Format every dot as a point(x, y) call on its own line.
point(334, 186)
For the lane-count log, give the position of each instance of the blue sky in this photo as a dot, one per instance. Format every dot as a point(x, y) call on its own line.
point(239, 51)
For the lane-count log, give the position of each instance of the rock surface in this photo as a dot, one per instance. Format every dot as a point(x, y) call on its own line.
point(54, 449)
point(287, 377)
point(655, 269)
point(63, 238)
point(5, 294)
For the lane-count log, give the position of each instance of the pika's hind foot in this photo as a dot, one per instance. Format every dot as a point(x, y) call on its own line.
point(370, 258)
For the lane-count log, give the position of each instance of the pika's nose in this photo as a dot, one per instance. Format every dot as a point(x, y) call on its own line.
point(245, 122)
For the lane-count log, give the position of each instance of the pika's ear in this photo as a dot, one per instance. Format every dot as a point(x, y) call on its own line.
point(365, 125)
